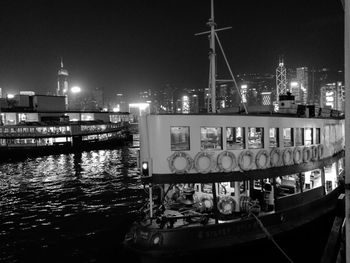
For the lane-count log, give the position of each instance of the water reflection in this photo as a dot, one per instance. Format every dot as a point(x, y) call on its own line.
point(52, 201)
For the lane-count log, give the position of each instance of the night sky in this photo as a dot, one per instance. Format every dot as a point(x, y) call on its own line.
point(131, 45)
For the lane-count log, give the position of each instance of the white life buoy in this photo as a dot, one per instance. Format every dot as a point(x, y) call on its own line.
point(178, 168)
point(198, 164)
point(320, 151)
point(241, 163)
point(232, 161)
point(206, 203)
point(263, 165)
point(314, 151)
point(226, 205)
point(275, 152)
point(288, 156)
point(298, 155)
point(307, 154)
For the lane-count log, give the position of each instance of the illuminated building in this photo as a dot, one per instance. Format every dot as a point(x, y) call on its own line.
point(121, 103)
point(98, 98)
point(281, 79)
point(62, 83)
point(333, 95)
point(303, 79)
point(295, 89)
point(244, 90)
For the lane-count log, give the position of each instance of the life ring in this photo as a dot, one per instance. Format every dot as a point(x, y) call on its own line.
point(198, 164)
point(320, 148)
point(307, 154)
point(267, 159)
point(248, 153)
point(273, 161)
point(206, 203)
point(314, 151)
point(288, 153)
point(180, 170)
point(298, 151)
point(232, 158)
point(226, 205)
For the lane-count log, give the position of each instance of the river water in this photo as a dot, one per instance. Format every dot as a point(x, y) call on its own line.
point(78, 207)
point(68, 207)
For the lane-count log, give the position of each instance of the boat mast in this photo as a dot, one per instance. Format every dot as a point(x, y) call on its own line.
point(212, 67)
point(211, 23)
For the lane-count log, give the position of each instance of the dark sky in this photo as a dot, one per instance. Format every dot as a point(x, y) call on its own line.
point(132, 45)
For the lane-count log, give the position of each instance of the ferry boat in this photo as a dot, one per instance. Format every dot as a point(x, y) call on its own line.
point(40, 124)
point(219, 180)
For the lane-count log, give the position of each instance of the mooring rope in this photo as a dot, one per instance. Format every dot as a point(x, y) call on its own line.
point(269, 236)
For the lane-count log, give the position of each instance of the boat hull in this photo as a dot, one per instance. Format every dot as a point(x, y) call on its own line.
point(195, 240)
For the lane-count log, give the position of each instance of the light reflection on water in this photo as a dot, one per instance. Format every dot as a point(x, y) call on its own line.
point(70, 203)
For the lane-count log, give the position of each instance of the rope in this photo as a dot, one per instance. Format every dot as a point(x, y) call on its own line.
point(269, 236)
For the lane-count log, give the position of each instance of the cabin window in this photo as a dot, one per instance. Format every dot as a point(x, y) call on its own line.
point(274, 137)
point(180, 138)
point(299, 136)
point(255, 138)
point(288, 137)
point(211, 138)
point(309, 136)
point(235, 139)
point(318, 135)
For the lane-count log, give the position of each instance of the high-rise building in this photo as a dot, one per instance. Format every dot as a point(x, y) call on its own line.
point(303, 80)
point(281, 79)
point(98, 98)
point(62, 82)
point(333, 95)
point(121, 104)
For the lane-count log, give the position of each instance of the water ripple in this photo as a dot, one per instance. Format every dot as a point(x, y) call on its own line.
point(68, 201)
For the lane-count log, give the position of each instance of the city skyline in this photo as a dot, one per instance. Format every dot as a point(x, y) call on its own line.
point(135, 46)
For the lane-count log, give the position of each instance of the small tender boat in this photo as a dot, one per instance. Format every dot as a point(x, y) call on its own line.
point(220, 180)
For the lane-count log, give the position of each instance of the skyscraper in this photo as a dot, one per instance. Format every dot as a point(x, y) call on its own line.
point(62, 87)
point(303, 80)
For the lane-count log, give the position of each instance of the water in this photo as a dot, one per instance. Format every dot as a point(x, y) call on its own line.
point(68, 207)
point(78, 207)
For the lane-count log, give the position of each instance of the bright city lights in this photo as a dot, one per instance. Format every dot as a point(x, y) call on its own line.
point(141, 106)
point(294, 84)
point(75, 89)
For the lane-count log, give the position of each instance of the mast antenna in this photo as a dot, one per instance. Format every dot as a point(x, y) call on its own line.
point(212, 69)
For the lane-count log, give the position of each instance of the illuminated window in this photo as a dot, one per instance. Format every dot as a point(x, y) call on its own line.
point(288, 137)
point(180, 138)
point(318, 135)
point(255, 138)
point(211, 138)
point(274, 137)
point(309, 136)
point(235, 138)
point(299, 136)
